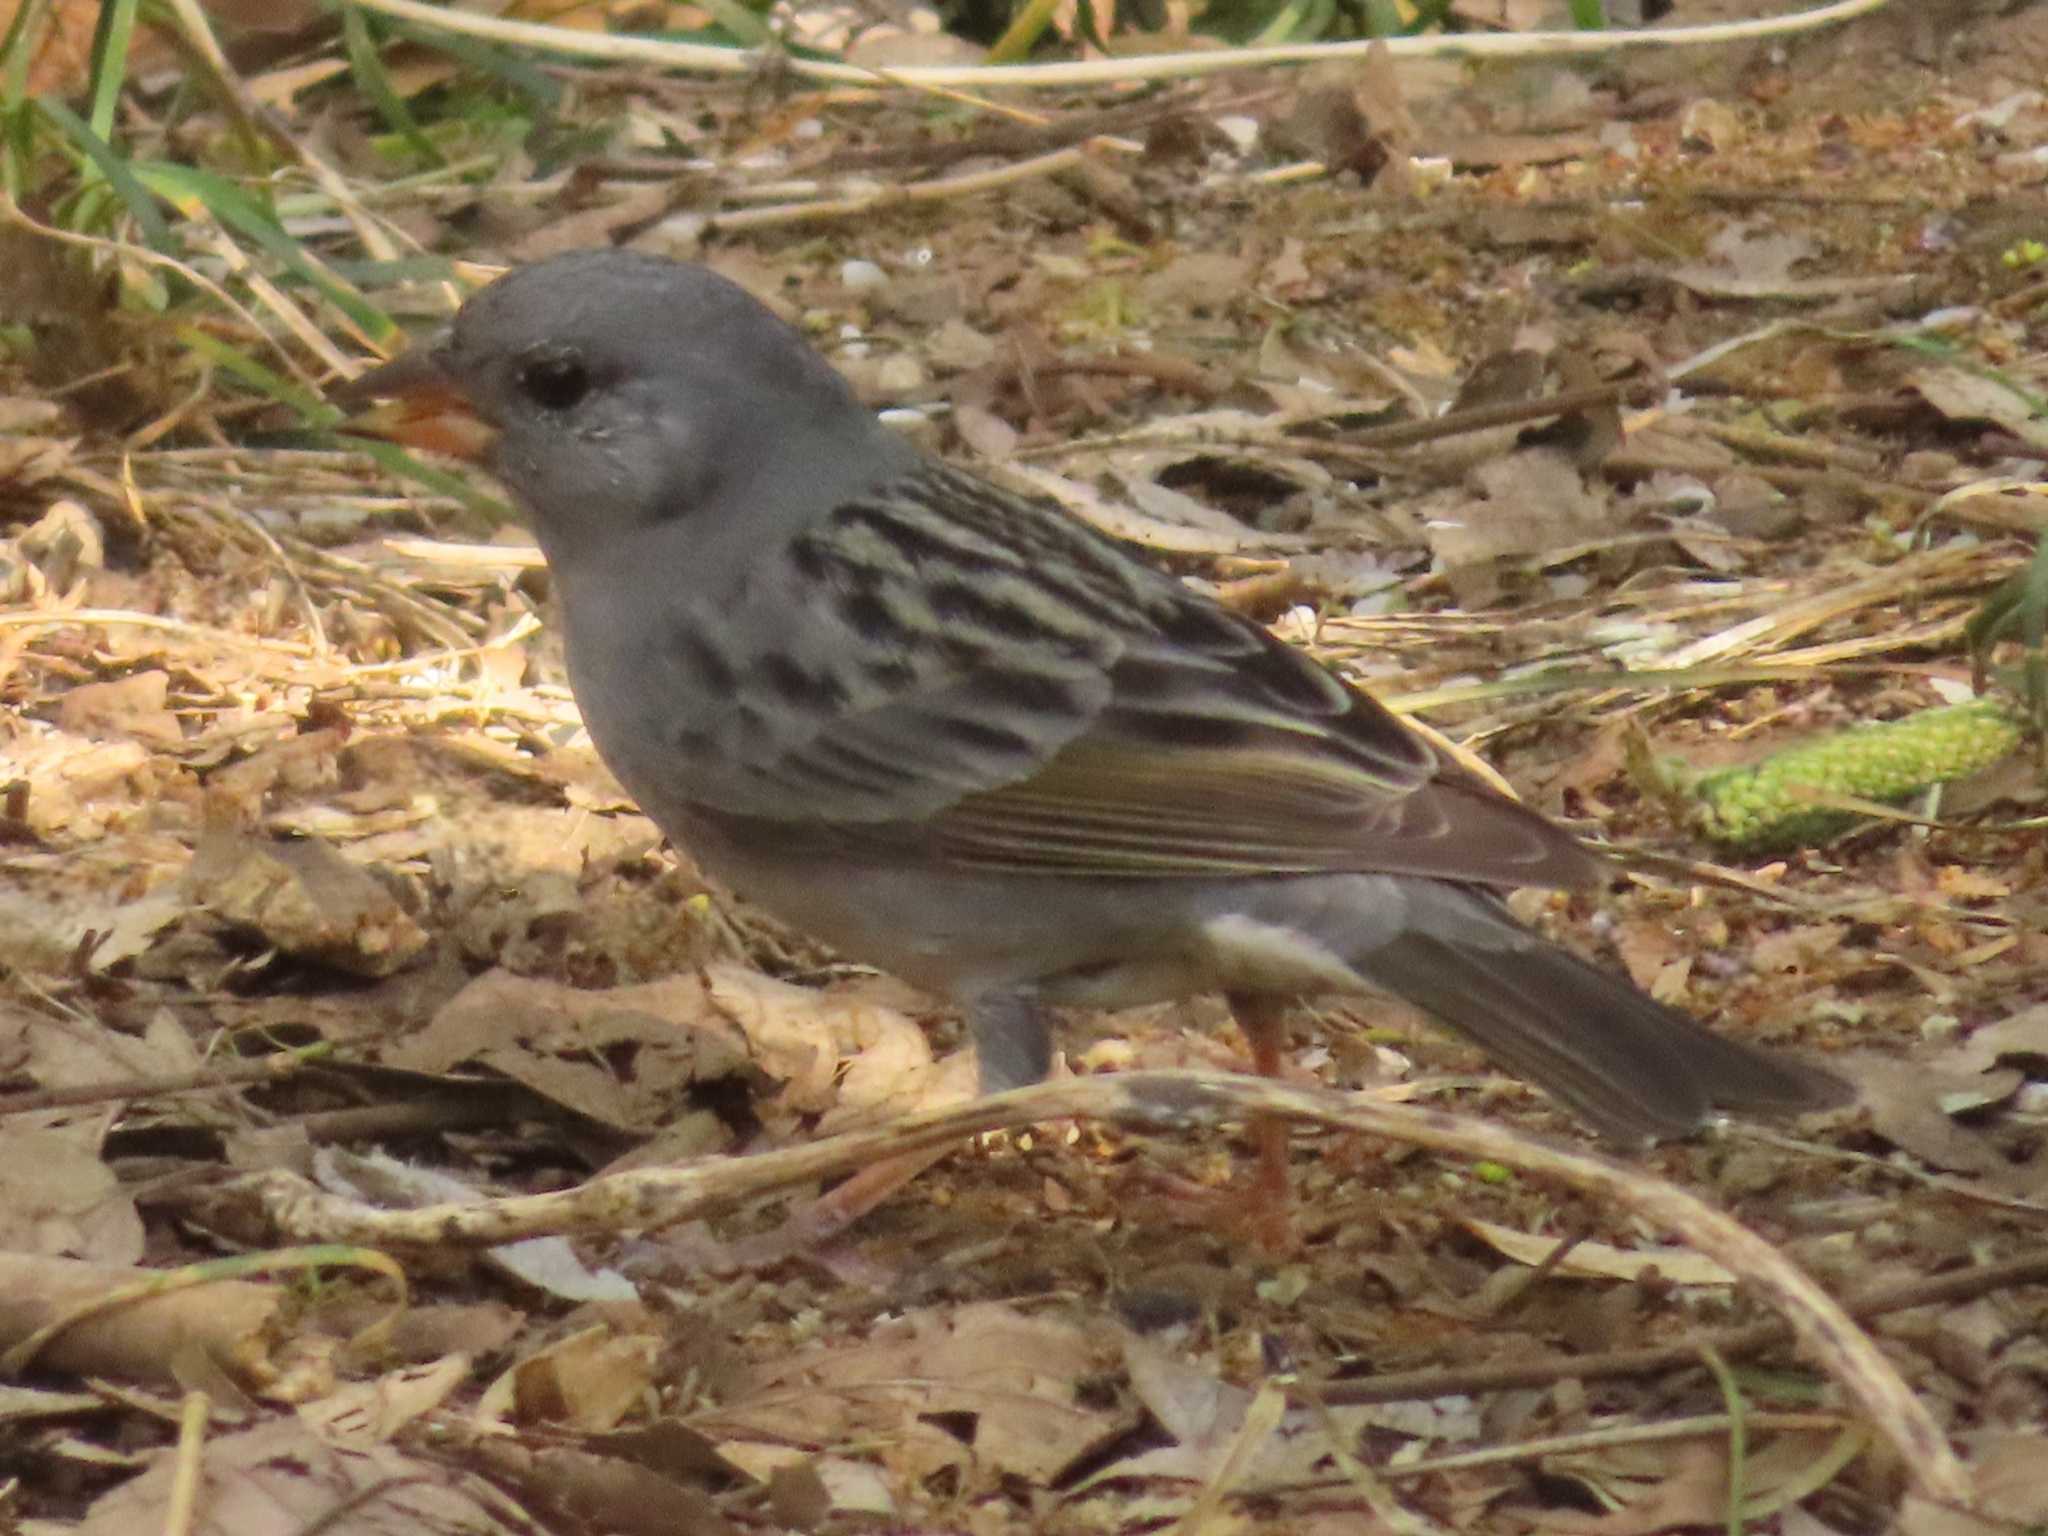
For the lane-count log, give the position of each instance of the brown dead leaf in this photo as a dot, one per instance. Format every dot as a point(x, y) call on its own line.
point(235, 1324)
point(1711, 125)
point(2019, 1036)
point(125, 931)
point(1965, 395)
point(430, 1333)
point(1753, 253)
point(132, 706)
point(630, 209)
point(1687, 1488)
point(1646, 946)
point(559, 1040)
point(283, 1475)
point(59, 1052)
point(1797, 948)
point(1016, 1378)
point(848, 1047)
point(1529, 503)
point(374, 1412)
point(1206, 1416)
point(1601, 1261)
point(58, 1198)
point(1195, 277)
point(305, 899)
point(2010, 1473)
point(585, 1490)
point(588, 1382)
point(66, 542)
point(1663, 1488)
point(78, 789)
point(298, 762)
point(1913, 1107)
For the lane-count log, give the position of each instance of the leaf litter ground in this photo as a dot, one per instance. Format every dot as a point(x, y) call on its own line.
point(309, 869)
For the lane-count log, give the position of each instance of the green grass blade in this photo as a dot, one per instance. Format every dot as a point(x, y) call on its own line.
point(746, 28)
point(266, 381)
point(366, 64)
point(111, 39)
point(399, 462)
point(141, 206)
point(240, 212)
point(406, 269)
point(518, 74)
point(16, 56)
point(2017, 609)
point(1024, 30)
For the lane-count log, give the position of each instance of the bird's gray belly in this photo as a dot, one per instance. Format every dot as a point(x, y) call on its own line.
point(884, 897)
point(1092, 943)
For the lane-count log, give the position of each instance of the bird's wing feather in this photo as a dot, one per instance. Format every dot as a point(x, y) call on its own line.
point(1040, 703)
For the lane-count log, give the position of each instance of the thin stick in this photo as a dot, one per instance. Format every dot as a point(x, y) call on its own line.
point(1156, 66)
point(183, 1503)
point(646, 1198)
point(895, 196)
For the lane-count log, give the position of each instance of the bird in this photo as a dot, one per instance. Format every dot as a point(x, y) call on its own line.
point(959, 734)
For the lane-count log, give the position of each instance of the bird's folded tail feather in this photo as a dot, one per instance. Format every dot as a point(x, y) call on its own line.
point(1633, 1068)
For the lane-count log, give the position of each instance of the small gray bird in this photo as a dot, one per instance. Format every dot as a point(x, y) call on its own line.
point(957, 733)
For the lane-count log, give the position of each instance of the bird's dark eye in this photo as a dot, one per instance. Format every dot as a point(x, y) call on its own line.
point(555, 382)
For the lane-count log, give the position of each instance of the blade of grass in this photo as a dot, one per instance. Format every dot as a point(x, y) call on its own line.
point(1383, 18)
point(2017, 607)
point(1542, 684)
point(189, 188)
point(17, 115)
point(11, 214)
point(406, 269)
point(322, 418)
point(518, 74)
point(366, 64)
point(746, 28)
point(141, 206)
point(1024, 30)
point(399, 462)
point(17, 49)
point(1296, 19)
point(265, 381)
point(111, 39)
point(190, 31)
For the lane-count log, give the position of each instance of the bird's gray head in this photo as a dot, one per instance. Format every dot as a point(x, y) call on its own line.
point(621, 389)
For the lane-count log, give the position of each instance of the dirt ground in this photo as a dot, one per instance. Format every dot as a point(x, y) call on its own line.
point(311, 879)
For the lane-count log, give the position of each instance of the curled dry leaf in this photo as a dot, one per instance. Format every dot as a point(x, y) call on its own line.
point(1014, 1377)
point(1601, 1261)
point(588, 1382)
point(305, 899)
point(561, 1041)
point(283, 1475)
point(58, 1198)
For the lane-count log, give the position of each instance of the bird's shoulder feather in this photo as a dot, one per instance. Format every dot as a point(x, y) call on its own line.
point(986, 677)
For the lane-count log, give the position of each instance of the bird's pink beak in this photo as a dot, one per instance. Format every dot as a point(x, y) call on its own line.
point(412, 400)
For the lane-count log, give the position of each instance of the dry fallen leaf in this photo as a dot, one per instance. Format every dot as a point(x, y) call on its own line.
point(305, 899)
point(1601, 1261)
point(58, 1197)
point(283, 1475)
point(1017, 1379)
